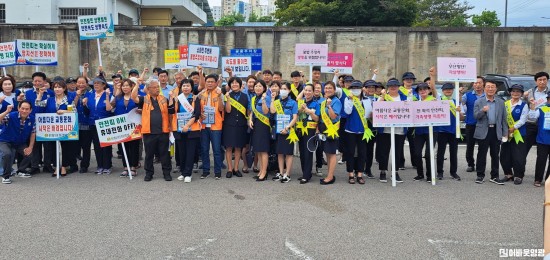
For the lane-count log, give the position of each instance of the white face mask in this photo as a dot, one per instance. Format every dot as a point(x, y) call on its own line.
point(356, 92)
point(284, 93)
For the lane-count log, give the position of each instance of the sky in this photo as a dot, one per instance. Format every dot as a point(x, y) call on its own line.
point(520, 12)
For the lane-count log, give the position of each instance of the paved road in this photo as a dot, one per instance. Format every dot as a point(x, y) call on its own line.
point(88, 216)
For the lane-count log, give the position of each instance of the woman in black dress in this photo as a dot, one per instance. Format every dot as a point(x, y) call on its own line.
point(234, 125)
point(261, 129)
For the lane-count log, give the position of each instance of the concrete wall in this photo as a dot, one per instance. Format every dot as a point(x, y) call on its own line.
point(391, 50)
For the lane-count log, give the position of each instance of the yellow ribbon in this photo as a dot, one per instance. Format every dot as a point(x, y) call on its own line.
point(388, 98)
point(453, 111)
point(259, 115)
point(294, 89)
point(367, 135)
point(332, 129)
point(292, 134)
point(299, 123)
point(405, 92)
point(510, 119)
point(235, 104)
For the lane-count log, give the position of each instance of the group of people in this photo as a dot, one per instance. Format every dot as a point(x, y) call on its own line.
point(261, 119)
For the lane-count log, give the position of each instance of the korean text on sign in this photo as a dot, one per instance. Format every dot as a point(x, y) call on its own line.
point(206, 56)
point(95, 26)
point(241, 66)
point(54, 127)
point(410, 114)
point(33, 52)
point(117, 129)
point(456, 69)
point(311, 54)
point(7, 54)
point(339, 61)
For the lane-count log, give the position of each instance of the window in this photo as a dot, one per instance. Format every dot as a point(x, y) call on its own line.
point(70, 15)
point(2, 13)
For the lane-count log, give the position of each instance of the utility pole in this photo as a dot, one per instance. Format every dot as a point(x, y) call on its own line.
point(506, 14)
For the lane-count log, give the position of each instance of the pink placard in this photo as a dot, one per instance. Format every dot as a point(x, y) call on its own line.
point(311, 54)
point(456, 69)
point(411, 113)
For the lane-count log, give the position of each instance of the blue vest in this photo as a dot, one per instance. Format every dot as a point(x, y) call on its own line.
point(470, 101)
point(98, 112)
point(30, 96)
point(12, 132)
point(83, 119)
point(120, 108)
point(543, 136)
point(354, 124)
point(449, 128)
point(342, 99)
point(5, 103)
point(51, 107)
point(516, 114)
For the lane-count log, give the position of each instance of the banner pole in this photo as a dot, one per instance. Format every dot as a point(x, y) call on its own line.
point(36, 68)
point(57, 169)
point(99, 52)
point(310, 73)
point(457, 103)
point(393, 181)
point(126, 159)
point(4, 70)
point(432, 160)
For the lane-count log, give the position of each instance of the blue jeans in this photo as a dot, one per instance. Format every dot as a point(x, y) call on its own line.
point(215, 137)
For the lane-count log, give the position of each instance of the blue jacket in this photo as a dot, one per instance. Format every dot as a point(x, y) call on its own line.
point(543, 136)
point(51, 106)
point(120, 108)
point(31, 94)
point(12, 132)
point(98, 112)
point(449, 128)
point(470, 101)
point(5, 103)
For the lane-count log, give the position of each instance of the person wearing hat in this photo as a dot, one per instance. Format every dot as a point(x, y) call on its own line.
point(84, 126)
point(407, 90)
point(512, 153)
point(542, 116)
point(97, 104)
point(133, 73)
point(447, 135)
point(358, 130)
point(369, 96)
point(392, 94)
point(343, 93)
point(71, 85)
point(491, 130)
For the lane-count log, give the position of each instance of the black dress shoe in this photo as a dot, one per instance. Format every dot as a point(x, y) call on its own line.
point(237, 173)
point(148, 177)
point(168, 177)
point(73, 169)
point(34, 171)
point(83, 170)
point(322, 181)
point(304, 181)
point(470, 169)
point(260, 179)
point(229, 174)
point(48, 169)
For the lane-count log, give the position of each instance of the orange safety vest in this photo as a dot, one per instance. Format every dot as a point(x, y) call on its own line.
point(146, 114)
point(195, 126)
point(219, 115)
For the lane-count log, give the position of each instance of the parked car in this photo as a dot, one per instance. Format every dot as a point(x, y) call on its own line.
point(505, 81)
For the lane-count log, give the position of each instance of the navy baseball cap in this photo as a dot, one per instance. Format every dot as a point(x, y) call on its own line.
point(516, 86)
point(393, 82)
point(133, 71)
point(356, 84)
point(370, 83)
point(99, 79)
point(448, 86)
point(70, 80)
point(408, 75)
point(348, 78)
point(379, 85)
point(58, 78)
point(422, 85)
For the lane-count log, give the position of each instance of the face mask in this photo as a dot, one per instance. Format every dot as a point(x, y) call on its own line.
point(284, 93)
point(356, 92)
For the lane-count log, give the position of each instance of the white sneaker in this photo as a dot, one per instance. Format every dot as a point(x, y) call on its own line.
point(23, 175)
point(340, 161)
point(187, 179)
point(180, 178)
point(6, 181)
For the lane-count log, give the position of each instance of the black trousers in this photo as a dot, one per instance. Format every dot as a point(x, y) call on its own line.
point(85, 144)
point(442, 140)
point(419, 142)
point(384, 144)
point(36, 156)
point(319, 155)
point(491, 144)
point(103, 155)
point(543, 151)
point(306, 157)
point(530, 137)
point(132, 151)
point(412, 149)
point(513, 158)
point(357, 153)
point(8, 150)
point(369, 155)
point(157, 144)
point(68, 155)
point(187, 152)
point(470, 145)
point(377, 150)
point(342, 138)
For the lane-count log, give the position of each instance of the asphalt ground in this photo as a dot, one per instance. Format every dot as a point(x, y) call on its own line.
point(88, 216)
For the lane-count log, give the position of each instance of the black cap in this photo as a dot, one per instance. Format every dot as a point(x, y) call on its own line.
point(408, 75)
point(393, 82)
point(116, 76)
point(70, 80)
point(99, 79)
point(369, 83)
point(58, 78)
point(448, 86)
point(26, 84)
point(295, 74)
point(379, 85)
point(516, 86)
point(356, 84)
point(422, 85)
point(133, 71)
point(348, 78)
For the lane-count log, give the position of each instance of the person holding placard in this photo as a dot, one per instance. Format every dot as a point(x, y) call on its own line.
point(407, 90)
point(97, 104)
point(18, 129)
point(422, 138)
point(258, 121)
point(187, 116)
point(329, 125)
point(358, 132)
point(60, 103)
point(468, 101)
point(308, 116)
point(447, 135)
point(235, 128)
point(212, 116)
point(512, 153)
point(491, 130)
point(38, 81)
point(123, 104)
point(384, 142)
point(539, 95)
point(155, 127)
point(542, 117)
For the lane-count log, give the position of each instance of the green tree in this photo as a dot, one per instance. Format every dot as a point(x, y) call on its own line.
point(230, 20)
point(442, 13)
point(265, 19)
point(486, 19)
point(253, 17)
point(345, 12)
